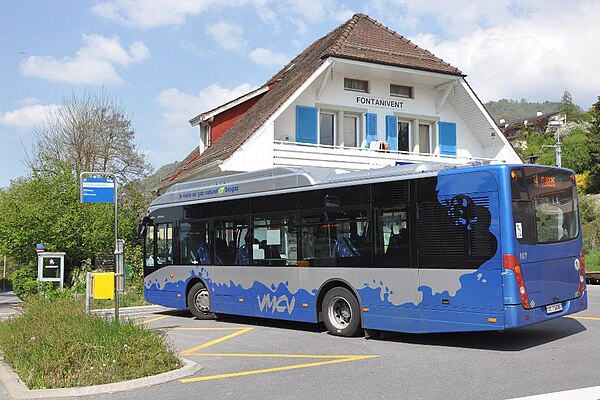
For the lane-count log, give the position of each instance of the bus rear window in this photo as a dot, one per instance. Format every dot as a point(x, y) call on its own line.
point(545, 206)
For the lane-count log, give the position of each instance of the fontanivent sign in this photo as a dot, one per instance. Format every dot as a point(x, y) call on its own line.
point(377, 102)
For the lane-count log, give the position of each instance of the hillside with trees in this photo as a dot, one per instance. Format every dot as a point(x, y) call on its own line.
point(518, 110)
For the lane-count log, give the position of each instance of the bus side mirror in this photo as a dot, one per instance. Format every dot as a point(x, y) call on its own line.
point(142, 226)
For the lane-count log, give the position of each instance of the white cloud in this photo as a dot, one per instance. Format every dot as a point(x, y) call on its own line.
point(268, 58)
point(28, 116)
point(227, 35)
point(93, 64)
point(28, 101)
point(534, 56)
point(151, 13)
point(178, 107)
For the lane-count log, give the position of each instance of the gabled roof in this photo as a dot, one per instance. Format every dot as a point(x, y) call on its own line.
point(359, 38)
point(207, 115)
point(365, 39)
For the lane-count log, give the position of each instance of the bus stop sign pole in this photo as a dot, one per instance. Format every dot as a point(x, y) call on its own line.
point(101, 187)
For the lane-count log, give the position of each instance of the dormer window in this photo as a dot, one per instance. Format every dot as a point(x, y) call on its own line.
point(356, 85)
point(401, 91)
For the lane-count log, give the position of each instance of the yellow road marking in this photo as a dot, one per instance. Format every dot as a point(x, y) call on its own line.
point(152, 320)
point(219, 340)
point(267, 370)
point(200, 329)
point(269, 355)
point(588, 318)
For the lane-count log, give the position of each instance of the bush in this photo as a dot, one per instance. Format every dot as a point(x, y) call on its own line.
point(54, 344)
point(592, 260)
point(25, 284)
point(79, 276)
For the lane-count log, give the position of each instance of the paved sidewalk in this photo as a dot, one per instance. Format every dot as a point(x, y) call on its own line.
point(9, 304)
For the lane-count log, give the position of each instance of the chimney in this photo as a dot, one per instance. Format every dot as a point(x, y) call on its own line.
point(539, 114)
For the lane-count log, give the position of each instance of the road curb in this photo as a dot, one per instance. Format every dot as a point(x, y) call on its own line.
point(18, 390)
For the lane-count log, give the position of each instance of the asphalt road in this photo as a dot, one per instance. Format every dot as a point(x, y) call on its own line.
point(246, 358)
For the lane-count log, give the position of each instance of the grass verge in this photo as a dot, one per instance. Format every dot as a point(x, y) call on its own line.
point(132, 297)
point(53, 344)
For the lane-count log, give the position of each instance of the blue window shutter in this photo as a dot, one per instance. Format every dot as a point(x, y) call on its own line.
point(447, 138)
point(371, 119)
point(391, 131)
point(306, 124)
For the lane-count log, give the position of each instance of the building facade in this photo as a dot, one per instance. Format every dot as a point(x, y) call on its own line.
point(360, 97)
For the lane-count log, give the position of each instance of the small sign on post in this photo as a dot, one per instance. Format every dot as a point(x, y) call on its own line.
point(51, 267)
point(97, 190)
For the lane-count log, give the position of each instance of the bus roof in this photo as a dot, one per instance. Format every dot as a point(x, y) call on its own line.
point(282, 178)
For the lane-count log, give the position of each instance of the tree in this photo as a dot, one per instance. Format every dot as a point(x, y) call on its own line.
point(90, 133)
point(570, 109)
point(593, 135)
point(45, 208)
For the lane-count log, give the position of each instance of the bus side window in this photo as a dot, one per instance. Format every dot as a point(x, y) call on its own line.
point(392, 225)
point(164, 244)
point(274, 241)
point(392, 242)
point(230, 245)
point(149, 246)
point(193, 243)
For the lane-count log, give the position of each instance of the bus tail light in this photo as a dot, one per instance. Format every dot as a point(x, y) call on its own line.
point(512, 263)
point(581, 273)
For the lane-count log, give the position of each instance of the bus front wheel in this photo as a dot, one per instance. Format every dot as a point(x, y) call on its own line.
point(341, 312)
point(198, 299)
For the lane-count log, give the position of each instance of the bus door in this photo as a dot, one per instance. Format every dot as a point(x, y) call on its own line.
point(546, 234)
point(231, 244)
point(460, 265)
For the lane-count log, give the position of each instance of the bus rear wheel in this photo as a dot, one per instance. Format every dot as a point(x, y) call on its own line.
point(341, 312)
point(198, 299)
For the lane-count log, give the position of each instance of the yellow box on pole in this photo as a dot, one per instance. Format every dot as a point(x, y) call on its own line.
point(103, 285)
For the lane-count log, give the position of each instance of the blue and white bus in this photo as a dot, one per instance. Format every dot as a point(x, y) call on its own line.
point(415, 248)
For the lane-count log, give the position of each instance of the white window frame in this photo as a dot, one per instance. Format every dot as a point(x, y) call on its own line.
point(429, 124)
point(412, 91)
point(334, 114)
point(410, 133)
point(356, 90)
point(357, 130)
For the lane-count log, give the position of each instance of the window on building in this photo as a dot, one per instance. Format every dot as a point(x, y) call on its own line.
point(425, 138)
point(326, 128)
point(356, 85)
point(403, 135)
point(351, 132)
point(401, 91)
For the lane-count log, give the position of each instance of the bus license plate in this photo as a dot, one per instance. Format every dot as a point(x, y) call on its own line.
point(552, 308)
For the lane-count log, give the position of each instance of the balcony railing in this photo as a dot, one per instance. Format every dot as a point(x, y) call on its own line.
point(356, 158)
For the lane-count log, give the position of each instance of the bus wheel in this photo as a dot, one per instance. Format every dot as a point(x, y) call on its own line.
point(198, 299)
point(341, 312)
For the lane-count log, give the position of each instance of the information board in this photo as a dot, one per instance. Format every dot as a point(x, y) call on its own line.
point(98, 190)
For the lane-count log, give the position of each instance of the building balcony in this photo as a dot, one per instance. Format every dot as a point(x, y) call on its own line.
point(296, 154)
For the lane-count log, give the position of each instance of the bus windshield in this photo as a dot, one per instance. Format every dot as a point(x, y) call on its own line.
point(544, 202)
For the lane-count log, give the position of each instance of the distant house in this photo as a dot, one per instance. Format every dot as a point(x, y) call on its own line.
point(547, 123)
point(360, 97)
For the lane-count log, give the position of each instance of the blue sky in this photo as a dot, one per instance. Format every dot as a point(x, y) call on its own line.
point(167, 61)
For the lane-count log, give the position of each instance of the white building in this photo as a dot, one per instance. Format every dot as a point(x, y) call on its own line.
point(360, 97)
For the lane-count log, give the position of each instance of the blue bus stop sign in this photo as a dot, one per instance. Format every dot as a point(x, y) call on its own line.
point(97, 190)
